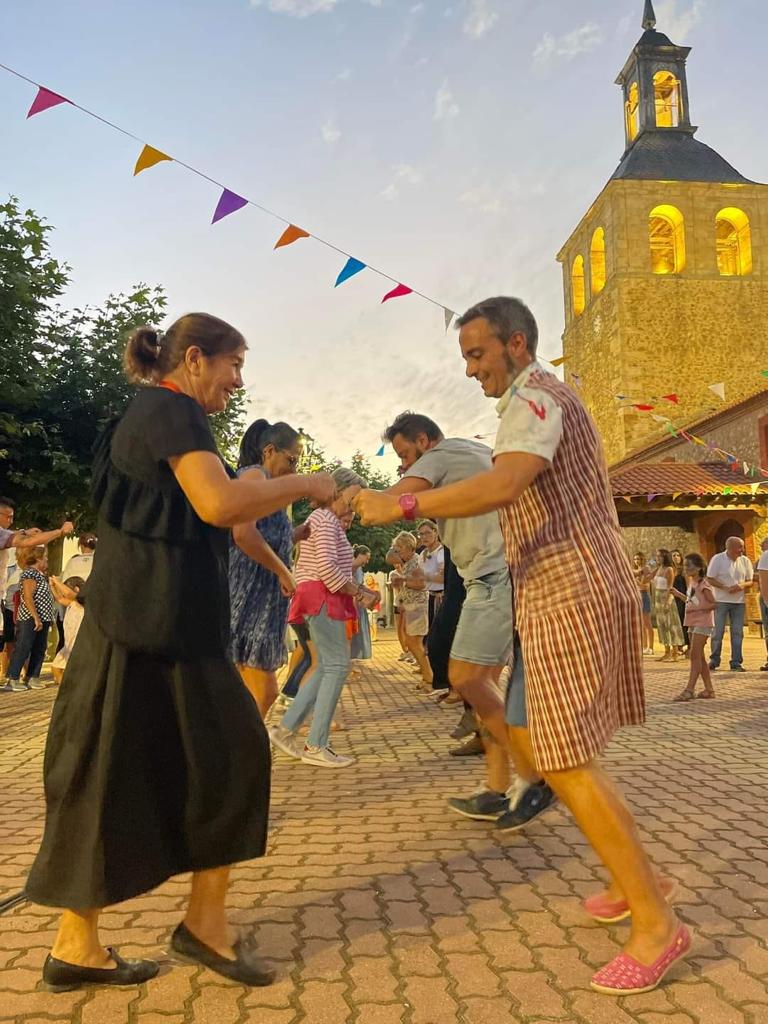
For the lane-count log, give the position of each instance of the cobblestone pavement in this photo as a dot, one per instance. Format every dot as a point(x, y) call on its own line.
point(379, 907)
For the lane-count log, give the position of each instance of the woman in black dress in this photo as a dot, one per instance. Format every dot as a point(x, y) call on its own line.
point(157, 761)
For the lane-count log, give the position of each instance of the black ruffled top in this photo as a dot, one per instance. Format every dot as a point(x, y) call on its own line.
point(159, 581)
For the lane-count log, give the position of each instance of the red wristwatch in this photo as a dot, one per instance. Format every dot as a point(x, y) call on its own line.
point(410, 506)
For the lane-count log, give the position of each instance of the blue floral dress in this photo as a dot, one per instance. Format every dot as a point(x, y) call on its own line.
point(258, 609)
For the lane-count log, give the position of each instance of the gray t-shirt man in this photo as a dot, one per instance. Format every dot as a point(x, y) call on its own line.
point(476, 544)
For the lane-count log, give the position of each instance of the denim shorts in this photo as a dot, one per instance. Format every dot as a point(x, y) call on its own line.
point(645, 600)
point(701, 630)
point(485, 633)
point(514, 704)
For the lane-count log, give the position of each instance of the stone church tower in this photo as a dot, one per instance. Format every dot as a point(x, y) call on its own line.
point(666, 275)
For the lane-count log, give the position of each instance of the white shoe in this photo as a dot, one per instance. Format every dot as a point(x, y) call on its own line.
point(404, 656)
point(17, 686)
point(648, 652)
point(36, 684)
point(324, 757)
point(285, 741)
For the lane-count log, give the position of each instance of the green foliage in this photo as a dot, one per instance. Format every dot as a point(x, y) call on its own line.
point(377, 538)
point(61, 374)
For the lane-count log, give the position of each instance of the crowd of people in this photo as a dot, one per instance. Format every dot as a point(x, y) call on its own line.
point(514, 599)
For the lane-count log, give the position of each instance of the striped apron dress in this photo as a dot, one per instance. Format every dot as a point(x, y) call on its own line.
point(577, 611)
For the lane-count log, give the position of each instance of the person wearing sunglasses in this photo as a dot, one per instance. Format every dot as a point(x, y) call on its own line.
point(260, 579)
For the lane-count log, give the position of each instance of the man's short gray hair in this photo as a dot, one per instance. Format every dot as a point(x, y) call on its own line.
point(506, 316)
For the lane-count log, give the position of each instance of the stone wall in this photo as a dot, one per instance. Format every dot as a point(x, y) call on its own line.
point(649, 539)
point(646, 335)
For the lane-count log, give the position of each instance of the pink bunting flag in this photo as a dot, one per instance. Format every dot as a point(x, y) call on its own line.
point(397, 292)
point(44, 100)
point(229, 202)
point(652, 496)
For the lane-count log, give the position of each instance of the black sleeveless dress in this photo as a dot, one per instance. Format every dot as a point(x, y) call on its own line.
point(157, 761)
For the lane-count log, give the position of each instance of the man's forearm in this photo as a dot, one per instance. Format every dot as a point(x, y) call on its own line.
point(35, 539)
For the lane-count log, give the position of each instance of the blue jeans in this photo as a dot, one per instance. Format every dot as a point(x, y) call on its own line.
point(29, 644)
point(322, 690)
point(725, 611)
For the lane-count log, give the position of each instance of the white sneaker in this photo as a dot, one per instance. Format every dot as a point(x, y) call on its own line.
point(285, 741)
point(36, 684)
point(17, 686)
point(404, 656)
point(324, 757)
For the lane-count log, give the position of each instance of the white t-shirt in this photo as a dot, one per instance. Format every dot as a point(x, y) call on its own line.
point(762, 565)
point(721, 567)
point(531, 420)
point(432, 562)
point(78, 565)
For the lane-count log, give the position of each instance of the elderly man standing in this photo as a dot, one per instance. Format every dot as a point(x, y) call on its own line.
point(578, 616)
point(730, 572)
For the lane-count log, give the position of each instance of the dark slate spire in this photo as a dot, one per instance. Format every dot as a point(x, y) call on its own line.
point(649, 15)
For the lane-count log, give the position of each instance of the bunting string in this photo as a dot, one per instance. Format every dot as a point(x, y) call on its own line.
point(229, 202)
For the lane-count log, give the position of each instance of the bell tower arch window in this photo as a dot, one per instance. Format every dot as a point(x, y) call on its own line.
point(578, 287)
point(667, 97)
point(597, 261)
point(633, 112)
point(734, 243)
point(667, 240)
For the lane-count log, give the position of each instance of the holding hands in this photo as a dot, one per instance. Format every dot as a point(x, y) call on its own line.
point(377, 508)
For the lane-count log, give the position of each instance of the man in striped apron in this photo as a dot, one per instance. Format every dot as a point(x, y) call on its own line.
point(577, 613)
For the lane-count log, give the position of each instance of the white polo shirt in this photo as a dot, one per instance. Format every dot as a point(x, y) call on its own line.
point(721, 567)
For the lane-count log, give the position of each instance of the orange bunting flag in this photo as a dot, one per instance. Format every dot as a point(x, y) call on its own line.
point(148, 157)
point(557, 362)
point(291, 234)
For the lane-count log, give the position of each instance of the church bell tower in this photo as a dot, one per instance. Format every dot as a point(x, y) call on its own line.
point(666, 275)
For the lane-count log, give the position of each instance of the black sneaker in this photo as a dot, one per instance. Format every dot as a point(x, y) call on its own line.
point(713, 668)
point(738, 668)
point(534, 801)
point(484, 806)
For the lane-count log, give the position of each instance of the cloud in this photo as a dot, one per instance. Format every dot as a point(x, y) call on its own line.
point(480, 19)
point(489, 198)
point(297, 8)
point(330, 131)
point(403, 174)
point(678, 23)
point(566, 47)
point(344, 75)
point(445, 105)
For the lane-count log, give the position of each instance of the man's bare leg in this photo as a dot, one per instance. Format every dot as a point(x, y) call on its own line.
point(606, 821)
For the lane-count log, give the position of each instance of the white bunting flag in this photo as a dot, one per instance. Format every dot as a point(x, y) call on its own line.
point(719, 390)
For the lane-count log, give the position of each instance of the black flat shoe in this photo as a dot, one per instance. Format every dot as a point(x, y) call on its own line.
point(246, 968)
point(60, 976)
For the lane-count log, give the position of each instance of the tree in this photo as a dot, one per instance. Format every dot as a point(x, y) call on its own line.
point(62, 376)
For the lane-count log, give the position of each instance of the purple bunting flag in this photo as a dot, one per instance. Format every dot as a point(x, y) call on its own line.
point(44, 100)
point(229, 202)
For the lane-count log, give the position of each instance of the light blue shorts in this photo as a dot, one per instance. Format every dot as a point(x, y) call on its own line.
point(485, 633)
point(514, 705)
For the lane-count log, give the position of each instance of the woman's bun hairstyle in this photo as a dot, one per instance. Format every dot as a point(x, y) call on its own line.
point(141, 355)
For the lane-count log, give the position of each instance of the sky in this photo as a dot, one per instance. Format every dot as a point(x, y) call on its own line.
point(454, 144)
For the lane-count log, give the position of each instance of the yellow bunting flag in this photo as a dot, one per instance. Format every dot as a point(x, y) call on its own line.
point(148, 157)
point(676, 495)
point(557, 362)
point(291, 234)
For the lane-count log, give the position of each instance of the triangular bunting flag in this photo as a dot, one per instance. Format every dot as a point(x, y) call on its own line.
point(557, 362)
point(619, 398)
point(670, 398)
point(291, 234)
point(652, 496)
point(449, 315)
point(44, 100)
point(754, 488)
point(642, 408)
point(671, 429)
point(718, 389)
point(401, 289)
point(764, 373)
point(576, 380)
point(660, 419)
point(229, 202)
point(697, 440)
point(676, 495)
point(380, 451)
point(727, 490)
point(148, 157)
point(351, 267)
point(746, 469)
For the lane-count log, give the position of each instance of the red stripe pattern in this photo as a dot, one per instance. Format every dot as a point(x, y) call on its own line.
point(577, 607)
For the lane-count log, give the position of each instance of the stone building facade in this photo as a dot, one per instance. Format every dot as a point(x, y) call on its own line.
point(666, 275)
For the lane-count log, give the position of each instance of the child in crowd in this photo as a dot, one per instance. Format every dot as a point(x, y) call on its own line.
point(36, 613)
point(700, 619)
point(69, 595)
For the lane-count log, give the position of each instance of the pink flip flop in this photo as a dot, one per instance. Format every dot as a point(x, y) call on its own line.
point(606, 911)
point(625, 976)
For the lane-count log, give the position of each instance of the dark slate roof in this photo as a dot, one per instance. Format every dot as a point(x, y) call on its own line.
point(653, 38)
point(669, 155)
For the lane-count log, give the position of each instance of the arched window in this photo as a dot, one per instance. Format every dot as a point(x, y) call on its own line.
point(666, 91)
point(734, 243)
point(632, 111)
point(667, 236)
point(597, 261)
point(578, 287)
